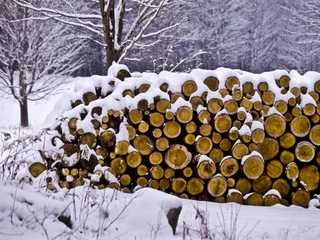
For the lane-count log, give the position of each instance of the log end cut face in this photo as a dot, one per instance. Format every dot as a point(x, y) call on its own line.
point(275, 125)
point(253, 167)
point(178, 156)
point(300, 126)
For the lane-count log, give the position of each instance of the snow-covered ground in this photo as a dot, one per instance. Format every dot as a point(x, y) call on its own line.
point(30, 213)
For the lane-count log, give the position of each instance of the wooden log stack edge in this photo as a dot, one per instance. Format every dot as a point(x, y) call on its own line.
point(221, 136)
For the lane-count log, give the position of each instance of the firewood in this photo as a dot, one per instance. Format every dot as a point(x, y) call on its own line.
point(292, 171)
point(142, 181)
point(300, 126)
point(263, 86)
point(135, 116)
point(252, 147)
point(239, 150)
point(235, 197)
point(246, 104)
point(217, 186)
point(247, 87)
point(74, 172)
point(203, 145)
point(89, 97)
point(119, 165)
point(184, 114)
point(314, 135)
point(206, 169)
point(237, 95)
point(172, 129)
point(204, 116)
point(107, 138)
point(216, 155)
point(125, 180)
point(228, 166)
point(142, 170)
point(143, 144)
point(191, 127)
point(143, 127)
point(155, 158)
point(89, 163)
point(156, 119)
point(222, 123)
point(231, 106)
point(315, 118)
point(187, 172)
point(301, 198)
point(89, 139)
point(189, 139)
point(153, 183)
point(216, 137)
point(157, 172)
point(162, 105)
point(212, 83)
point(269, 148)
point(282, 186)
point(131, 131)
point(233, 134)
point(177, 156)
point(223, 92)
point(231, 82)
point(231, 182)
point(225, 144)
point(287, 140)
point(220, 199)
point(73, 123)
point(189, 87)
point(309, 109)
point(309, 175)
point(36, 169)
point(275, 125)
point(179, 185)
point(205, 129)
point(254, 199)
point(287, 157)
point(274, 168)
point(169, 173)
point(162, 144)
point(133, 159)
point(164, 87)
point(305, 151)
point(195, 102)
point(123, 74)
point(262, 184)
point(271, 199)
point(252, 166)
point(195, 186)
point(143, 105)
point(164, 184)
point(243, 185)
point(122, 147)
point(268, 98)
point(143, 88)
point(157, 133)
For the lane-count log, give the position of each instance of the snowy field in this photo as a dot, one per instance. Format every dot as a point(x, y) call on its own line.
point(30, 213)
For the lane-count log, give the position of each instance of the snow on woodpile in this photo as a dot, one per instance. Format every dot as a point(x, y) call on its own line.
point(214, 135)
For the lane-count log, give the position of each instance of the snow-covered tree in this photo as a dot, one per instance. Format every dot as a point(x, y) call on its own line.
point(35, 56)
point(121, 23)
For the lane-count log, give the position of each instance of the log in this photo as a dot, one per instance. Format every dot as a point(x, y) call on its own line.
point(187, 172)
point(271, 199)
point(107, 138)
point(133, 159)
point(237, 95)
point(204, 116)
point(179, 185)
point(142, 170)
point(163, 105)
point(123, 74)
point(153, 183)
point(74, 172)
point(315, 118)
point(268, 98)
point(269, 148)
point(234, 196)
point(225, 144)
point(243, 185)
point(274, 168)
point(216, 137)
point(254, 199)
point(143, 127)
point(217, 186)
point(292, 171)
point(222, 123)
point(252, 166)
point(228, 166)
point(239, 150)
point(162, 144)
point(191, 127)
point(263, 86)
point(119, 165)
point(309, 175)
point(195, 186)
point(223, 92)
point(287, 140)
point(184, 114)
point(142, 181)
point(88, 97)
point(265, 110)
point(246, 104)
point(189, 139)
point(301, 198)
point(317, 157)
point(275, 125)
point(206, 169)
point(220, 199)
point(300, 126)
point(314, 135)
point(241, 114)
point(262, 184)
point(195, 102)
point(143, 144)
point(156, 119)
point(122, 147)
point(282, 186)
point(172, 129)
point(169, 173)
point(231, 106)
point(88, 162)
point(135, 116)
point(125, 180)
point(36, 169)
point(305, 151)
point(216, 155)
point(309, 109)
point(177, 157)
point(203, 145)
point(89, 139)
point(317, 86)
point(231, 182)
point(233, 134)
point(212, 83)
point(157, 172)
point(231, 82)
point(157, 133)
point(247, 87)
point(143, 105)
point(169, 115)
point(281, 106)
point(284, 81)
point(155, 158)
point(189, 87)
point(164, 184)
point(205, 129)
point(214, 105)
point(286, 157)
point(252, 147)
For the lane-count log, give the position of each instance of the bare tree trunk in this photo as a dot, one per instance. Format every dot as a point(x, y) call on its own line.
point(24, 118)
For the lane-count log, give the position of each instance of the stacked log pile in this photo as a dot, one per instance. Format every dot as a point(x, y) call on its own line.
point(222, 136)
